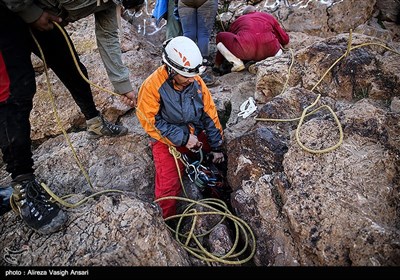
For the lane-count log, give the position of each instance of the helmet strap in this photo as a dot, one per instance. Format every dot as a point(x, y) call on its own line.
point(171, 74)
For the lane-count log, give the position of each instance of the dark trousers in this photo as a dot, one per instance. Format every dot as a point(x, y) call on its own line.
point(16, 46)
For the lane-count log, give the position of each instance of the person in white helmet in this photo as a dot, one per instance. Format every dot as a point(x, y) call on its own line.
point(176, 109)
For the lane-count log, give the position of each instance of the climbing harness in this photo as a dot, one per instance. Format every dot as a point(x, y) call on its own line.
point(247, 108)
point(204, 175)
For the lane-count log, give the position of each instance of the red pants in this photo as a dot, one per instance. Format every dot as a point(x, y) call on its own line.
point(4, 81)
point(167, 182)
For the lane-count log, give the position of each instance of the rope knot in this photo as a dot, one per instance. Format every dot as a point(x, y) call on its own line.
point(173, 151)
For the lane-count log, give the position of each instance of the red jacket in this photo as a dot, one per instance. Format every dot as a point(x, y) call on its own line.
point(256, 36)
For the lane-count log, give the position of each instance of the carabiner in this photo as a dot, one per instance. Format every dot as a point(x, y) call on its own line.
point(191, 171)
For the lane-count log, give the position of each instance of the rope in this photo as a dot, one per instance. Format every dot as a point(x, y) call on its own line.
point(235, 255)
point(71, 205)
point(304, 113)
point(55, 110)
point(200, 253)
point(49, 91)
point(77, 65)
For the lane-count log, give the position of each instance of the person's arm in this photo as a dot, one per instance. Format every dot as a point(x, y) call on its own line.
point(129, 98)
point(26, 9)
point(281, 34)
point(32, 14)
point(212, 126)
point(148, 104)
point(45, 22)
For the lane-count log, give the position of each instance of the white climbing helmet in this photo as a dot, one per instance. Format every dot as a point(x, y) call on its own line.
point(183, 55)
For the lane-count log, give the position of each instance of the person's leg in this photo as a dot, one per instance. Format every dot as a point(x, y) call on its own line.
point(167, 181)
point(229, 48)
point(174, 28)
point(57, 54)
point(108, 43)
point(222, 37)
point(238, 64)
point(58, 57)
point(206, 14)
point(231, 42)
point(17, 88)
point(188, 17)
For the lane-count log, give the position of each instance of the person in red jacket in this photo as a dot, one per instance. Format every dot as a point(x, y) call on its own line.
point(252, 36)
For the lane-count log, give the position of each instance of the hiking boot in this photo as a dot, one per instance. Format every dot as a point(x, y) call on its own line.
point(223, 69)
point(279, 53)
point(99, 126)
point(208, 79)
point(33, 204)
point(238, 64)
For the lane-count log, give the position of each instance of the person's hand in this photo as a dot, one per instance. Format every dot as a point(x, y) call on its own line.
point(45, 22)
point(193, 143)
point(218, 157)
point(129, 99)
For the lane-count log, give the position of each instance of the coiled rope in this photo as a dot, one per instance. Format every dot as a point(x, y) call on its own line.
point(217, 207)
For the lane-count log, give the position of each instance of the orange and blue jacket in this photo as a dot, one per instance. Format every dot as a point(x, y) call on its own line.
point(169, 115)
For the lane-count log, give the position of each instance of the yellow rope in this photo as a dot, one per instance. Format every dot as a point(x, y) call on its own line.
point(233, 256)
point(77, 65)
point(201, 253)
point(70, 205)
point(337, 122)
point(304, 113)
point(56, 113)
point(49, 91)
point(289, 71)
